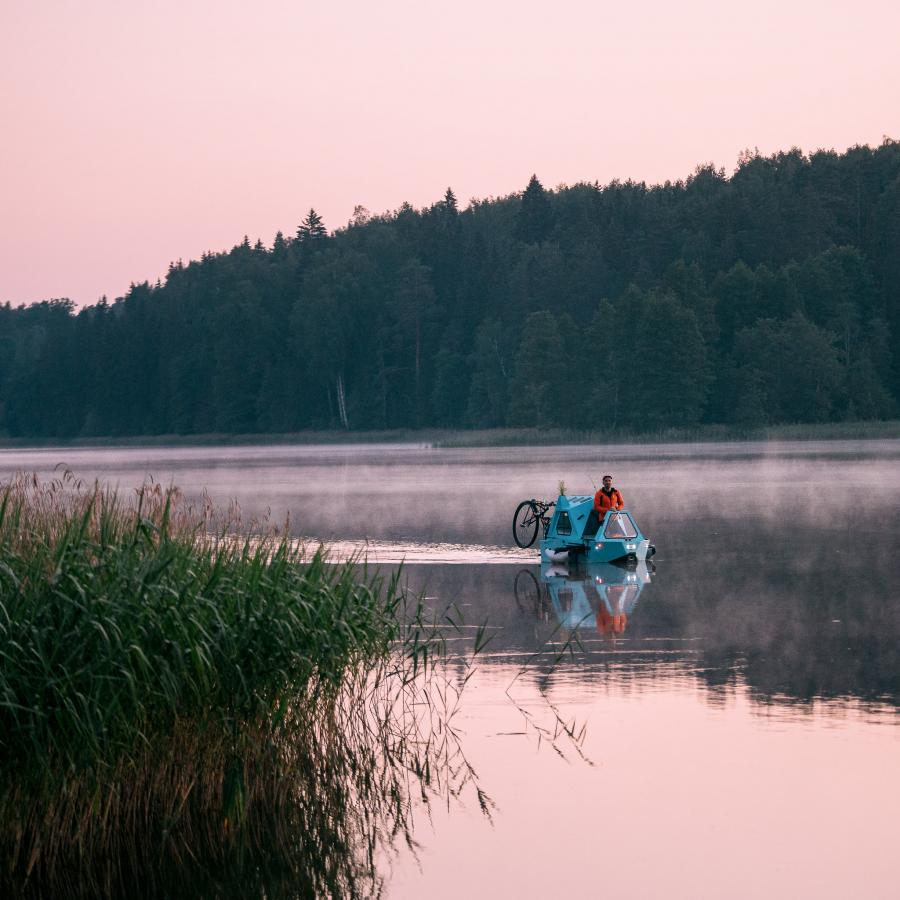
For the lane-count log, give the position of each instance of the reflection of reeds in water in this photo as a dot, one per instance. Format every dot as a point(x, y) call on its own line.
point(186, 714)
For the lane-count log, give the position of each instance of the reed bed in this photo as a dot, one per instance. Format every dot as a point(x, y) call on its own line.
point(188, 712)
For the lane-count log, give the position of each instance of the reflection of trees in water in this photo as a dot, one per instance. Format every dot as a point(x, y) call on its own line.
point(796, 615)
point(312, 813)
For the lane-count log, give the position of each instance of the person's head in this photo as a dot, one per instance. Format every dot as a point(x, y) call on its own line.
point(607, 481)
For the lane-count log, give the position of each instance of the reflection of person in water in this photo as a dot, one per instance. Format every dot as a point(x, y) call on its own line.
point(611, 617)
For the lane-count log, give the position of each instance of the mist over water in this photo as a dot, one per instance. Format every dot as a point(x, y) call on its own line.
point(740, 702)
point(419, 494)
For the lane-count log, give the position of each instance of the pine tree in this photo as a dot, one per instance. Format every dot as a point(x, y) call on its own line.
point(450, 201)
point(312, 228)
point(535, 219)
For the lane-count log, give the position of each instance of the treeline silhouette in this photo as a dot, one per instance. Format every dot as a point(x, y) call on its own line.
point(769, 296)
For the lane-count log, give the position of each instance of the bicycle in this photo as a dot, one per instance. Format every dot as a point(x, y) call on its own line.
point(529, 514)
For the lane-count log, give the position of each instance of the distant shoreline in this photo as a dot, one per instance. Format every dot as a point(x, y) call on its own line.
point(499, 437)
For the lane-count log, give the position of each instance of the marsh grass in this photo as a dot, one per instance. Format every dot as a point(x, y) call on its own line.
point(189, 711)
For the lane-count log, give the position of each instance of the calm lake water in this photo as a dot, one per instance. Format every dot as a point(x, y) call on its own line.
point(723, 723)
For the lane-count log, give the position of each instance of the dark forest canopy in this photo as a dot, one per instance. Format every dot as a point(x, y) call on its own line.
point(770, 296)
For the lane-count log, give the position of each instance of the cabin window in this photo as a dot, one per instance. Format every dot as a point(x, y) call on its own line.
point(620, 527)
point(563, 523)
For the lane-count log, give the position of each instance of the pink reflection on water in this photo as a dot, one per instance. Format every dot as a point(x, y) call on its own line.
point(395, 552)
point(690, 792)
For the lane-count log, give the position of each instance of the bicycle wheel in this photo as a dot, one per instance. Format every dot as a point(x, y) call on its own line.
point(525, 524)
point(528, 592)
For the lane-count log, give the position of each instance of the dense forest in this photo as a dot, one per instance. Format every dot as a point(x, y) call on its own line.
point(769, 296)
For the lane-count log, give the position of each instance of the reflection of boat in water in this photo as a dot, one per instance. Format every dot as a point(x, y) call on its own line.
point(591, 595)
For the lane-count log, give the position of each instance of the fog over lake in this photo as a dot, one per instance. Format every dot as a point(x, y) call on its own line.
point(739, 696)
point(416, 493)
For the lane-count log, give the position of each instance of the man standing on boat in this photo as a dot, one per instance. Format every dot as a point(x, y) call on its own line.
point(607, 498)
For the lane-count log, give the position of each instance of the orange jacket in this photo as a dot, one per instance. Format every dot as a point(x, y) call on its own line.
point(604, 502)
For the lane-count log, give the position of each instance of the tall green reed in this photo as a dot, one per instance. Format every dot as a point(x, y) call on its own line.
point(174, 692)
point(117, 620)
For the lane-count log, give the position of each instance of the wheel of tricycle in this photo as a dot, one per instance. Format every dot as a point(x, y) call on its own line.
point(525, 524)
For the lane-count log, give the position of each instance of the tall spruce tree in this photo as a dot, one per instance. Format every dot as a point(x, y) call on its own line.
point(450, 201)
point(534, 221)
point(312, 228)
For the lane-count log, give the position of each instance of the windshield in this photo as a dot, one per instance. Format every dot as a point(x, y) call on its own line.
point(620, 527)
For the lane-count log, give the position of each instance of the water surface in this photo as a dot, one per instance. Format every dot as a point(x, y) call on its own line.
point(721, 724)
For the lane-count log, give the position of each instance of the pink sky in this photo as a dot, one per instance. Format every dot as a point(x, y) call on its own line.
point(137, 133)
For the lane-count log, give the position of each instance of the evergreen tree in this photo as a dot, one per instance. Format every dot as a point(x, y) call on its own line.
point(608, 381)
point(413, 307)
point(451, 387)
point(539, 379)
point(311, 229)
point(783, 278)
point(450, 201)
point(791, 367)
point(490, 364)
point(534, 221)
point(670, 365)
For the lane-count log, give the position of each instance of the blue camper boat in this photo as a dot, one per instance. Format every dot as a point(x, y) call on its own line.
point(573, 528)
